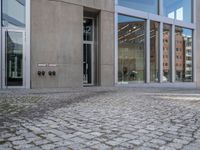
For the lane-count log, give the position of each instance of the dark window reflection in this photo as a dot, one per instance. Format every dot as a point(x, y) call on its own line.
point(154, 51)
point(166, 53)
point(131, 39)
point(184, 55)
point(87, 64)
point(178, 9)
point(150, 6)
point(13, 13)
point(14, 59)
point(88, 29)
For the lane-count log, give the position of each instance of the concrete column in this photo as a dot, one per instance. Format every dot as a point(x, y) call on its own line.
point(107, 48)
point(197, 38)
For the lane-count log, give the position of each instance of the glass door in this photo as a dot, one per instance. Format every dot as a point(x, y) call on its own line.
point(88, 51)
point(13, 58)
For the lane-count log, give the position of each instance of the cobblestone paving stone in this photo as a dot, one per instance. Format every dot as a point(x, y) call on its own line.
point(100, 118)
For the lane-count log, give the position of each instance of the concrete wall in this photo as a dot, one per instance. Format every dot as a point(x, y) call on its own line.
point(107, 48)
point(57, 38)
point(198, 43)
point(107, 5)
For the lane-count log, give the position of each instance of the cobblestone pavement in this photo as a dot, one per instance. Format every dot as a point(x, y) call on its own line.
point(100, 118)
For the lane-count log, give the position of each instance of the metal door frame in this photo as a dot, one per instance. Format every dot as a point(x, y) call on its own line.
point(4, 68)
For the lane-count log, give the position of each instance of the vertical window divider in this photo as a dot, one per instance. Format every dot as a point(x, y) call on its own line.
point(194, 34)
point(148, 51)
point(160, 3)
point(161, 54)
point(116, 48)
point(0, 48)
point(28, 46)
point(173, 45)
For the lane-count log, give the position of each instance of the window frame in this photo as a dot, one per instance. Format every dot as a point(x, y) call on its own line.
point(120, 10)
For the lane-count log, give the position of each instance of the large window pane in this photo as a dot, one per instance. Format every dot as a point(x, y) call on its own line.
point(150, 6)
point(183, 55)
point(154, 51)
point(131, 39)
point(13, 13)
point(166, 53)
point(178, 9)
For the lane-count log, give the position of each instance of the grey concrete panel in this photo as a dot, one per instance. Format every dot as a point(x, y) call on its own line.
point(107, 75)
point(107, 48)
point(56, 38)
point(107, 38)
point(107, 5)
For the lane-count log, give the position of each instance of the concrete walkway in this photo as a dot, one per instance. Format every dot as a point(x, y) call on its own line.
point(100, 118)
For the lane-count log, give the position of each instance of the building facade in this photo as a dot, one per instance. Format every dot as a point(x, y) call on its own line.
point(75, 43)
point(57, 43)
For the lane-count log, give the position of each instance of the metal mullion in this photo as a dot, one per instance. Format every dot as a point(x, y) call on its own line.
point(161, 7)
point(161, 54)
point(1, 48)
point(27, 46)
point(116, 48)
point(147, 51)
point(194, 48)
point(172, 55)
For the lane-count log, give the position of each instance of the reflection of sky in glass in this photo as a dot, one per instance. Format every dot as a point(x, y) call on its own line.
point(13, 13)
point(178, 9)
point(187, 32)
point(123, 19)
point(143, 5)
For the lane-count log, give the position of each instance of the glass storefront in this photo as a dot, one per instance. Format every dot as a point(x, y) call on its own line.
point(184, 55)
point(150, 6)
point(131, 39)
point(146, 40)
point(154, 51)
point(178, 9)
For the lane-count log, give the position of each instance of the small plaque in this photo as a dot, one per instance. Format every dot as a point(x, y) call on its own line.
point(52, 65)
point(42, 65)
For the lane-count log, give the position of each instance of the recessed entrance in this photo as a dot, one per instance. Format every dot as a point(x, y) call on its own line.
point(88, 51)
point(13, 57)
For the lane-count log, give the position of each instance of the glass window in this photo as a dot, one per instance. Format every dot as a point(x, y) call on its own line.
point(150, 6)
point(87, 29)
point(13, 13)
point(14, 58)
point(178, 9)
point(183, 57)
point(154, 51)
point(131, 39)
point(166, 53)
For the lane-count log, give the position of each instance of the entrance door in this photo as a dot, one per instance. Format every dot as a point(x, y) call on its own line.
point(13, 58)
point(88, 51)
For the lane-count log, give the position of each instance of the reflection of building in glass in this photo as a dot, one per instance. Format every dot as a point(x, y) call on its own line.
point(180, 52)
point(131, 37)
point(188, 58)
point(154, 51)
point(166, 52)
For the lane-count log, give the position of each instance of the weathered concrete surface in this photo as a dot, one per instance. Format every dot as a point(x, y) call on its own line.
point(107, 48)
point(100, 118)
point(107, 5)
point(57, 38)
